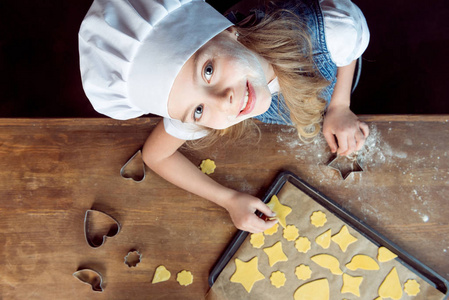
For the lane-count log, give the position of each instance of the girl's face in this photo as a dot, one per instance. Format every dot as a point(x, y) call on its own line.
point(222, 84)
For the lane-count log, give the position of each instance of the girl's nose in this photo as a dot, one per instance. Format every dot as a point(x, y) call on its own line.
point(224, 100)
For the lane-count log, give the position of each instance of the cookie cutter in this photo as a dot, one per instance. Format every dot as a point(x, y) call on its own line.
point(104, 224)
point(134, 168)
point(133, 258)
point(91, 277)
point(345, 165)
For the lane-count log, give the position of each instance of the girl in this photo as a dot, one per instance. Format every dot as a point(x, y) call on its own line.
point(184, 61)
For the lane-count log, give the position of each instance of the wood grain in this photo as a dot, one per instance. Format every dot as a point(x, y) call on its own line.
point(53, 170)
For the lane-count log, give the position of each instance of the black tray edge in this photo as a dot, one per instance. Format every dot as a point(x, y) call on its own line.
point(360, 226)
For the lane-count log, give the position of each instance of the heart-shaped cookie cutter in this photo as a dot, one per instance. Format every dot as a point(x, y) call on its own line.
point(95, 220)
point(134, 168)
point(91, 277)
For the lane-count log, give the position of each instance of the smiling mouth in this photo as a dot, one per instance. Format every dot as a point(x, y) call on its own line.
point(248, 101)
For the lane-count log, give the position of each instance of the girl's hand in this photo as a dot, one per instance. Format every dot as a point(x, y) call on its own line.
point(343, 131)
point(242, 208)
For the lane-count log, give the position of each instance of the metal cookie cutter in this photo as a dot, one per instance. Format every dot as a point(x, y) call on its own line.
point(133, 258)
point(98, 226)
point(134, 169)
point(345, 165)
point(91, 277)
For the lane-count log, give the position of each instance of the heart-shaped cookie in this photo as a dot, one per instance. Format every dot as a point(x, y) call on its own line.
point(98, 226)
point(134, 169)
point(161, 274)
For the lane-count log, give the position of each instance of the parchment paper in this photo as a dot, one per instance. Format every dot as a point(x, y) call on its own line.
point(303, 206)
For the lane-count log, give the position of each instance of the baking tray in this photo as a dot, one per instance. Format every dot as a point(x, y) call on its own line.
point(427, 274)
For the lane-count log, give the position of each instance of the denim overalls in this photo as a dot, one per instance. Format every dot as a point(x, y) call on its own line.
point(310, 12)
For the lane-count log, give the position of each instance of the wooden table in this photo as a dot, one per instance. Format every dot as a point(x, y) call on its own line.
point(53, 170)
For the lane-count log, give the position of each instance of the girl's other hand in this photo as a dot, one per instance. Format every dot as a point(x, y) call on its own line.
point(343, 131)
point(242, 208)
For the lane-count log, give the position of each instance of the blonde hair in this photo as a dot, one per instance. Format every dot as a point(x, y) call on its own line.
point(282, 39)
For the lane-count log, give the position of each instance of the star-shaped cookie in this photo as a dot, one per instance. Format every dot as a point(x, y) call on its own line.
point(275, 253)
point(247, 273)
point(344, 238)
point(282, 211)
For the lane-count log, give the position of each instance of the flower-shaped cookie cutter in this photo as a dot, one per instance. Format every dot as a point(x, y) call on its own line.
point(91, 277)
point(98, 226)
point(134, 168)
point(133, 258)
point(345, 165)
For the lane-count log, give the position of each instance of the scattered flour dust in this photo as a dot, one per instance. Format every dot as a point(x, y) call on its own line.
point(375, 153)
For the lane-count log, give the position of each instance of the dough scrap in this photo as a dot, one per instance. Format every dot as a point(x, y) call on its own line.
point(247, 273)
point(303, 244)
point(257, 240)
point(318, 219)
point(161, 274)
point(351, 285)
point(324, 239)
point(316, 290)
point(344, 238)
point(411, 287)
point(275, 254)
point(363, 262)
point(303, 272)
point(291, 232)
point(184, 278)
point(272, 230)
point(329, 262)
point(384, 254)
point(282, 211)
point(207, 166)
point(278, 279)
point(391, 286)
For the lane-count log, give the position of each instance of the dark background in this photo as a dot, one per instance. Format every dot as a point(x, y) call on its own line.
point(404, 68)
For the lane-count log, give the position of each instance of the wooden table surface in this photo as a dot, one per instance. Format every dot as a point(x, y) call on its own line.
point(53, 170)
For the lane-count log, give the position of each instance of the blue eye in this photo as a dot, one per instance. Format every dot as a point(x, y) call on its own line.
point(198, 113)
point(208, 71)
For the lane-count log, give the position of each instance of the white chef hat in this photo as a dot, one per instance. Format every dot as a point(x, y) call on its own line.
point(132, 50)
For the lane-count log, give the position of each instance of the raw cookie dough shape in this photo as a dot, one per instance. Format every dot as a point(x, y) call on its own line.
point(184, 278)
point(351, 285)
point(363, 262)
point(207, 166)
point(411, 287)
point(257, 239)
point(161, 274)
point(272, 230)
point(316, 290)
point(275, 254)
point(303, 244)
point(278, 279)
point(290, 232)
point(246, 273)
point(303, 272)
point(318, 219)
point(384, 254)
point(344, 238)
point(391, 286)
point(324, 239)
point(282, 211)
point(329, 262)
